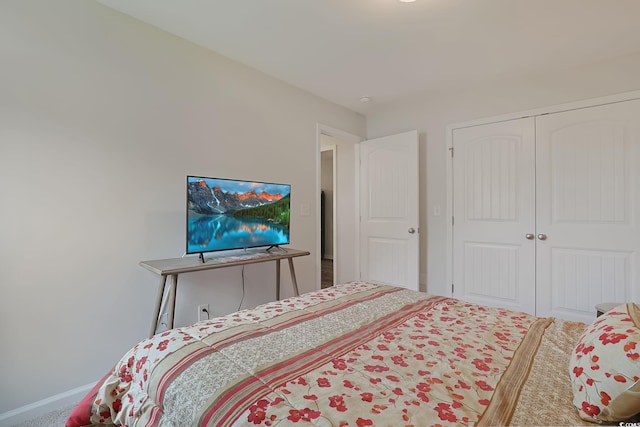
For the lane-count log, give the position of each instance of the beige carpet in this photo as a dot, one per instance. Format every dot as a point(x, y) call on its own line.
point(326, 273)
point(55, 418)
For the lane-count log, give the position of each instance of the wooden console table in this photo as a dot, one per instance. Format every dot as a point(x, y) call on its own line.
point(175, 266)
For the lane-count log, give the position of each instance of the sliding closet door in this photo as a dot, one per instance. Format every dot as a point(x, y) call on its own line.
point(588, 209)
point(494, 214)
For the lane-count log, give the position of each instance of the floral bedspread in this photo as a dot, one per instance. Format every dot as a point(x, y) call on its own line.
point(357, 354)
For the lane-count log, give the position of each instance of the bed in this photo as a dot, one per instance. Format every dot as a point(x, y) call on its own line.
point(363, 354)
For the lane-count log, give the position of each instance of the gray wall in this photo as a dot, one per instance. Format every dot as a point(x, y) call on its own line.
point(101, 119)
point(430, 113)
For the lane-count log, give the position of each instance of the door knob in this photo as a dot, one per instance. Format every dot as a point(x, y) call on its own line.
point(530, 236)
point(542, 237)
point(412, 230)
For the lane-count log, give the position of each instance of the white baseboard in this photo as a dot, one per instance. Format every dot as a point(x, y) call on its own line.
point(44, 406)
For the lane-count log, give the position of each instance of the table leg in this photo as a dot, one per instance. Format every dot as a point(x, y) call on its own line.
point(277, 280)
point(156, 313)
point(293, 277)
point(172, 299)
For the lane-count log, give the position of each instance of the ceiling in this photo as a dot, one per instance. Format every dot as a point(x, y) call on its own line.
point(342, 50)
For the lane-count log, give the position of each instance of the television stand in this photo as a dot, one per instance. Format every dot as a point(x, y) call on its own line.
point(276, 247)
point(173, 267)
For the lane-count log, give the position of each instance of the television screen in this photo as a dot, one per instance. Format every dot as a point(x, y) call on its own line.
point(227, 214)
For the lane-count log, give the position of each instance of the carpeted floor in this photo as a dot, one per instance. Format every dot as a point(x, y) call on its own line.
point(326, 273)
point(55, 418)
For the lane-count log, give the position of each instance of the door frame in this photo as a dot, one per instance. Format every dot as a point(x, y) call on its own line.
point(611, 99)
point(325, 130)
point(334, 192)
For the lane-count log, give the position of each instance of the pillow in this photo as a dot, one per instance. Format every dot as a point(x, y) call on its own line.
point(605, 366)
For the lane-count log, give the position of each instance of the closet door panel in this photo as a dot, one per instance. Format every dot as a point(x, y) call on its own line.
point(493, 169)
point(588, 207)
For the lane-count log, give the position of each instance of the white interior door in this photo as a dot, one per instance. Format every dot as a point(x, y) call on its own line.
point(494, 214)
point(588, 196)
point(389, 218)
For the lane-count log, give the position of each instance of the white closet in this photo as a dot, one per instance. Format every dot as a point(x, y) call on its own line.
point(546, 210)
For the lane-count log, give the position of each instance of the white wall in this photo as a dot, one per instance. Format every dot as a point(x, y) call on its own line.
point(101, 119)
point(430, 113)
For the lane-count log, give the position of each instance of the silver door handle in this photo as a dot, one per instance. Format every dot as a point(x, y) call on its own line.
point(412, 230)
point(542, 237)
point(530, 236)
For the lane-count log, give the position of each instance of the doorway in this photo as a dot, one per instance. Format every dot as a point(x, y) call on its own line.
point(340, 246)
point(327, 215)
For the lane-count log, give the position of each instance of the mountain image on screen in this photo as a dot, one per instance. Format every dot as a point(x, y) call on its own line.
point(231, 214)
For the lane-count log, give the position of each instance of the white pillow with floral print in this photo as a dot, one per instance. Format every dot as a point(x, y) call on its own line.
point(605, 366)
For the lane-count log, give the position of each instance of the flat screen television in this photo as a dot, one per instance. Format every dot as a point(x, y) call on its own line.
point(224, 214)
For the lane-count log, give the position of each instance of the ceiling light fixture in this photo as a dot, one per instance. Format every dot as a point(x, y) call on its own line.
point(365, 99)
point(407, 1)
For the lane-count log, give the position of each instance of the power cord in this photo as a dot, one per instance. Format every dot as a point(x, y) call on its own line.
point(241, 300)
point(204, 309)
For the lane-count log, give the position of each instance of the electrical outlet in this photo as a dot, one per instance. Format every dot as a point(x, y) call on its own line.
point(203, 312)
